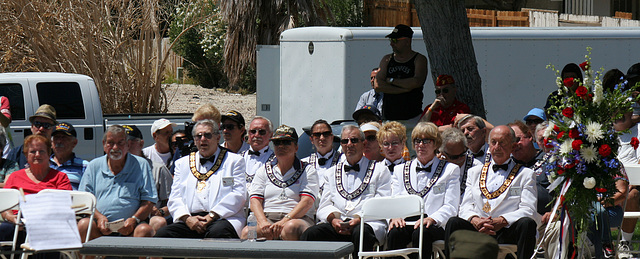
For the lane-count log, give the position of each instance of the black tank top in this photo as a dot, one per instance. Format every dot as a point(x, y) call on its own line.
point(406, 105)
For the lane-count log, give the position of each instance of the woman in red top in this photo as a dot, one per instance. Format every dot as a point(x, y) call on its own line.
point(37, 177)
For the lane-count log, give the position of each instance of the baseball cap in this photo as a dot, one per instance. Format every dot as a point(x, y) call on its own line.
point(473, 244)
point(368, 127)
point(133, 131)
point(45, 111)
point(285, 132)
point(400, 31)
point(66, 128)
point(161, 124)
point(445, 80)
point(535, 112)
point(366, 109)
point(234, 116)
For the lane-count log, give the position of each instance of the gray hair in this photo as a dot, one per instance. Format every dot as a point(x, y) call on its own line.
point(115, 130)
point(477, 119)
point(541, 126)
point(452, 135)
point(350, 128)
point(264, 118)
point(206, 122)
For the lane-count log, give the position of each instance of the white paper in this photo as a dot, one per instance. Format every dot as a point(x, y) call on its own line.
point(114, 226)
point(50, 221)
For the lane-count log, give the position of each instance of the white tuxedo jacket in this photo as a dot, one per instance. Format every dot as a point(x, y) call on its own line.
point(519, 200)
point(227, 188)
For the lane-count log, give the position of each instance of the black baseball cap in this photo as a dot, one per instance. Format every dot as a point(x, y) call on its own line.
point(66, 128)
point(400, 31)
point(132, 131)
point(234, 116)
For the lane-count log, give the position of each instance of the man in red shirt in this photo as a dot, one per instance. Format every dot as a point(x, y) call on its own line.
point(445, 107)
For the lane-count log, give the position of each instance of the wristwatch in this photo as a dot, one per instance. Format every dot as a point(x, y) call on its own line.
point(213, 215)
point(136, 218)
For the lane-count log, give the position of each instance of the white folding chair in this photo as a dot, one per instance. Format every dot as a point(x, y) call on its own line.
point(390, 208)
point(633, 173)
point(9, 199)
point(81, 203)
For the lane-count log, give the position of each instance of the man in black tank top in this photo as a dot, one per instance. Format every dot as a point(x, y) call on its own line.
point(401, 77)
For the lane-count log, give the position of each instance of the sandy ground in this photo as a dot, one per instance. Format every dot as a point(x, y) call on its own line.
point(187, 98)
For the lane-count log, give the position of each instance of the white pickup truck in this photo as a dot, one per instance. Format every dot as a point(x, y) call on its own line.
point(75, 98)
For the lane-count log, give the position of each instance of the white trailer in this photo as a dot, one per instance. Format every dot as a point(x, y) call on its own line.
point(320, 72)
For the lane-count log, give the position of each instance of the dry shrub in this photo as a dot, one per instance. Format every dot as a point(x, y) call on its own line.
point(113, 41)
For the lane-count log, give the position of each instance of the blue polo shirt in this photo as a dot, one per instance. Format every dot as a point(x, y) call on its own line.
point(119, 196)
point(74, 168)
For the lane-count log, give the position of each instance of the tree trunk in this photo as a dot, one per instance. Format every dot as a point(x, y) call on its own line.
point(446, 34)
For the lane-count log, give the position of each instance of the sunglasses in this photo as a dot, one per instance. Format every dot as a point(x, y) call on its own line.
point(261, 132)
point(422, 141)
point(279, 142)
point(455, 157)
point(227, 126)
point(446, 90)
point(534, 121)
point(346, 140)
point(205, 135)
point(44, 125)
point(326, 134)
point(370, 138)
point(395, 40)
point(390, 144)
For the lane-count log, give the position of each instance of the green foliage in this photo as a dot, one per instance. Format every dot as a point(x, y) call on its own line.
point(346, 13)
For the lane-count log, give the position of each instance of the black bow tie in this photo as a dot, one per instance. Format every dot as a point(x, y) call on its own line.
point(355, 167)
point(498, 167)
point(391, 166)
point(256, 153)
point(424, 169)
point(322, 160)
point(211, 159)
point(479, 154)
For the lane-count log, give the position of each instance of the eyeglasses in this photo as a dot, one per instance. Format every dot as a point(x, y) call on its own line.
point(392, 144)
point(346, 140)
point(455, 157)
point(534, 121)
point(425, 141)
point(205, 135)
point(44, 125)
point(326, 134)
point(370, 138)
point(260, 132)
point(279, 142)
point(227, 126)
point(446, 90)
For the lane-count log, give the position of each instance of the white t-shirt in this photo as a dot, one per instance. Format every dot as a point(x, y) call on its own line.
point(153, 154)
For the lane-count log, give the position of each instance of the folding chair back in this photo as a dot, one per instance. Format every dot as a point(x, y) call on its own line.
point(390, 208)
point(633, 174)
point(10, 199)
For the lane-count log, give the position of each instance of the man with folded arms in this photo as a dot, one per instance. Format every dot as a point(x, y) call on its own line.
point(352, 181)
point(500, 197)
point(208, 191)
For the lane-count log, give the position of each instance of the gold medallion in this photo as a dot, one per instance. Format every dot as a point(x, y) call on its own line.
point(201, 185)
point(486, 208)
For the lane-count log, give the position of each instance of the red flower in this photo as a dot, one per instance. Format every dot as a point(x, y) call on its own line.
point(567, 112)
point(574, 133)
point(568, 82)
point(556, 128)
point(569, 166)
point(634, 142)
point(581, 91)
point(604, 150)
point(576, 144)
point(601, 190)
point(560, 171)
point(584, 65)
point(560, 135)
point(548, 143)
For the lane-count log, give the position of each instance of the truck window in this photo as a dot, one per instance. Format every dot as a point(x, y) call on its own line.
point(65, 97)
point(16, 99)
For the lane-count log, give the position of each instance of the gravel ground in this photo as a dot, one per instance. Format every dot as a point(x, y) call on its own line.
point(187, 98)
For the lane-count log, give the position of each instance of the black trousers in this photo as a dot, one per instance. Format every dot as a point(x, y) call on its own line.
point(326, 232)
point(399, 238)
point(521, 233)
point(218, 229)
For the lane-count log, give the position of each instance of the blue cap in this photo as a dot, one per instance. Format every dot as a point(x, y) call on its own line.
point(535, 112)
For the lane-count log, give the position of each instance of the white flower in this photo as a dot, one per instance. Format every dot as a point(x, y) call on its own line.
point(597, 92)
point(549, 129)
point(589, 153)
point(565, 148)
point(589, 182)
point(594, 132)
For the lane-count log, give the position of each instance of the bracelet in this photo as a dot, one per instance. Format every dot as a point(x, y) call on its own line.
point(429, 109)
point(136, 218)
point(287, 216)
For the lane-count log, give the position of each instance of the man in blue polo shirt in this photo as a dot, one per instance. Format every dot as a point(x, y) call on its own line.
point(123, 186)
point(63, 158)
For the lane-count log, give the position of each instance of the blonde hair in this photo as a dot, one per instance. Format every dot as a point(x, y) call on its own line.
point(207, 111)
point(392, 128)
point(429, 130)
